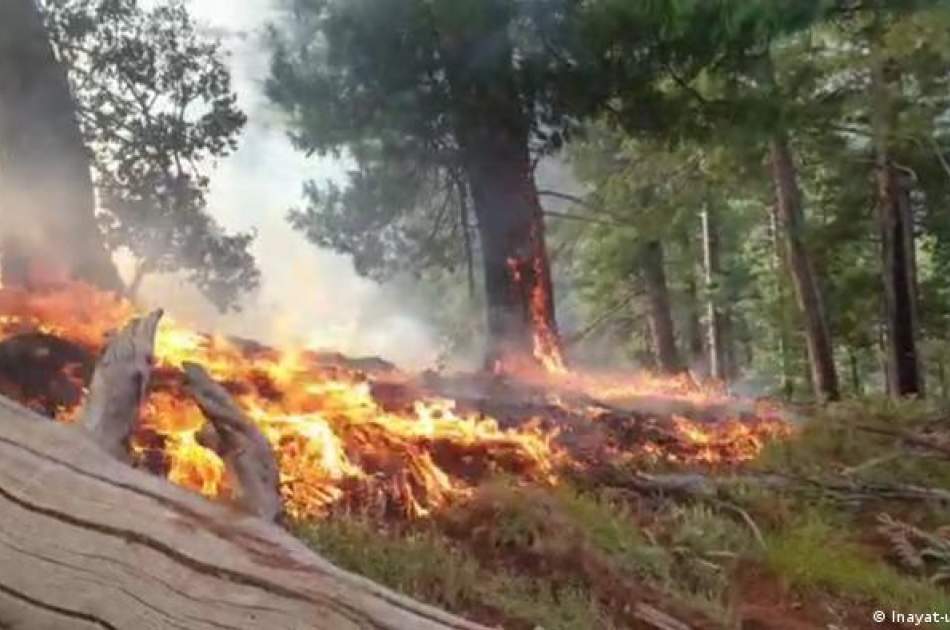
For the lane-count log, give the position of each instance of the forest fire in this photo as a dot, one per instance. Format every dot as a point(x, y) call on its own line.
point(546, 346)
point(342, 438)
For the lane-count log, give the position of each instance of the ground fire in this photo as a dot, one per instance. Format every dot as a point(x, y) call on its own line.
point(361, 434)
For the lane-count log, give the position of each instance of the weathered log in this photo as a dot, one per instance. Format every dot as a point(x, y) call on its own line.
point(119, 386)
point(248, 456)
point(87, 542)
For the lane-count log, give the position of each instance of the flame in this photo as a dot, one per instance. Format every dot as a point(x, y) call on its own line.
point(336, 443)
point(546, 343)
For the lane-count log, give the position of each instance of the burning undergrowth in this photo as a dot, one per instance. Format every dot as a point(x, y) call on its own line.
point(359, 434)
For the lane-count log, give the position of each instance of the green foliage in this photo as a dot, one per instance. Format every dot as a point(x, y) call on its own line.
point(814, 555)
point(423, 565)
point(155, 105)
point(753, 70)
point(842, 437)
point(570, 535)
point(705, 545)
point(404, 89)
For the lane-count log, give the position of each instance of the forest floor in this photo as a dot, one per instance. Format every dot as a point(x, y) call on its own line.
point(857, 523)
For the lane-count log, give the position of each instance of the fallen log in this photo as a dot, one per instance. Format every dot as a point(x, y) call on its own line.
point(87, 542)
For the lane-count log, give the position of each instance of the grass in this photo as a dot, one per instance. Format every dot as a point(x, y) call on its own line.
point(424, 565)
point(813, 555)
point(564, 558)
point(834, 440)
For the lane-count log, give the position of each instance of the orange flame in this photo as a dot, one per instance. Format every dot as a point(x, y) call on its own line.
point(337, 445)
point(546, 344)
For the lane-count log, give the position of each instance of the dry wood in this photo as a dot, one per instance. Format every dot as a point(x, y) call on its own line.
point(700, 486)
point(658, 619)
point(248, 456)
point(908, 438)
point(119, 386)
point(87, 542)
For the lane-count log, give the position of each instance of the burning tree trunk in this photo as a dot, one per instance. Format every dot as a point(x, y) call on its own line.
point(493, 133)
point(164, 557)
point(520, 300)
point(714, 337)
point(46, 191)
point(660, 317)
point(790, 225)
point(897, 239)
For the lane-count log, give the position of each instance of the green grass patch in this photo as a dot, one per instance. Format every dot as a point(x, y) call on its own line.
point(835, 441)
point(815, 554)
point(424, 566)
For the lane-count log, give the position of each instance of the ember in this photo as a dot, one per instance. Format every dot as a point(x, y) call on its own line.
point(344, 438)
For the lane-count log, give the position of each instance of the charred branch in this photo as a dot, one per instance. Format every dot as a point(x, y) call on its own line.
point(246, 453)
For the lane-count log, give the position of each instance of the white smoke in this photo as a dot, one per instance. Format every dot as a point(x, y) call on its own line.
point(308, 296)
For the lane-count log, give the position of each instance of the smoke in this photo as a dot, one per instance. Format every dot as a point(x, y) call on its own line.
point(308, 296)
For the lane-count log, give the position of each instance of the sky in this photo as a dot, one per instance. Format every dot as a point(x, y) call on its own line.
point(308, 296)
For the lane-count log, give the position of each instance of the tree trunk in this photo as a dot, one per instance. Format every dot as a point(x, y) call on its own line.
point(711, 267)
point(855, 373)
point(694, 328)
point(46, 192)
point(520, 297)
point(791, 224)
point(728, 338)
point(142, 269)
point(788, 383)
point(897, 239)
point(492, 130)
point(659, 314)
point(87, 542)
point(942, 376)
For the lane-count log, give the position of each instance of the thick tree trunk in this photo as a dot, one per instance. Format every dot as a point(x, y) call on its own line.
point(897, 240)
point(46, 194)
point(520, 297)
point(899, 282)
point(87, 542)
point(711, 267)
point(791, 225)
point(659, 314)
point(492, 130)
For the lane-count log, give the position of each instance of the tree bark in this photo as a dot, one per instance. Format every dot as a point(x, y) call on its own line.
point(711, 268)
point(520, 296)
point(46, 194)
point(784, 343)
point(856, 383)
point(493, 133)
point(659, 314)
point(897, 239)
point(791, 224)
point(694, 332)
point(87, 542)
point(120, 385)
point(247, 455)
